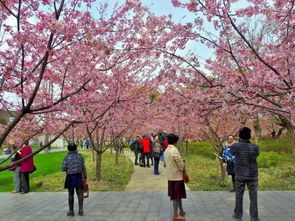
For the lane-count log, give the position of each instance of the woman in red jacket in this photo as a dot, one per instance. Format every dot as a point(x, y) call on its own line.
point(26, 167)
point(146, 149)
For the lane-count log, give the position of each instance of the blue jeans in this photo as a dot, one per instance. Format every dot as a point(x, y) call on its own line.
point(156, 165)
point(252, 183)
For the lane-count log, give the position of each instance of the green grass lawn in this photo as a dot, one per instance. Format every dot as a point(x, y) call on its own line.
point(48, 176)
point(276, 171)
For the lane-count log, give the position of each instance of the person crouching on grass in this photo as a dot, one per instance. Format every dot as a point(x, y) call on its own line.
point(73, 165)
point(175, 169)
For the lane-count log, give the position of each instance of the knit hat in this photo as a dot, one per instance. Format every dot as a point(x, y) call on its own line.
point(245, 133)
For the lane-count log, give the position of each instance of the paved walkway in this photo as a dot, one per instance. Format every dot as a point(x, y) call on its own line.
point(145, 199)
point(143, 206)
point(143, 179)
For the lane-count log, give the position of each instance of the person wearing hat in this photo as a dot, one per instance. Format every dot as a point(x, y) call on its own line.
point(246, 171)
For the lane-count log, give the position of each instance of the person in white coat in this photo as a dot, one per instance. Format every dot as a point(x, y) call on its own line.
point(175, 169)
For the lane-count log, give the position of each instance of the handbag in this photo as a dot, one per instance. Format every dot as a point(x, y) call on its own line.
point(185, 177)
point(85, 189)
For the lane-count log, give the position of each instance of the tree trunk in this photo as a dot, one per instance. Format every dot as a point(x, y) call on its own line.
point(186, 147)
point(92, 155)
point(257, 129)
point(47, 138)
point(98, 166)
point(222, 170)
point(291, 136)
point(117, 156)
point(290, 132)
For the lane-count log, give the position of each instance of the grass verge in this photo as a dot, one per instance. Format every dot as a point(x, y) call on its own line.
point(48, 176)
point(204, 171)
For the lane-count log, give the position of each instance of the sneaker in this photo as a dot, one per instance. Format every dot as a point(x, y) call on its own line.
point(236, 218)
point(14, 191)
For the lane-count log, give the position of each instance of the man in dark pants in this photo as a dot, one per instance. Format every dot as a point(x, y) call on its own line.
point(246, 171)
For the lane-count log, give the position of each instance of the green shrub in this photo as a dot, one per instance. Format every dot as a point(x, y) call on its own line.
point(269, 159)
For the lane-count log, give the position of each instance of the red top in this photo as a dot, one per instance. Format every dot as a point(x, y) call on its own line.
point(146, 145)
point(165, 144)
point(28, 164)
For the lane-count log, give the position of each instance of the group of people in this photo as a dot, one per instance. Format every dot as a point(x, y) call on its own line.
point(239, 156)
point(148, 150)
point(22, 171)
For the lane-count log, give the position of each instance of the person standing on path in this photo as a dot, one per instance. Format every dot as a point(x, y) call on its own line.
point(146, 149)
point(73, 165)
point(26, 167)
point(246, 170)
point(156, 155)
point(16, 172)
point(175, 169)
point(136, 148)
point(229, 159)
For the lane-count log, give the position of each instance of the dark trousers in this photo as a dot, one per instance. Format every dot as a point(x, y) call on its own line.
point(252, 183)
point(24, 182)
point(152, 159)
point(147, 157)
point(79, 192)
point(156, 165)
point(233, 178)
point(136, 153)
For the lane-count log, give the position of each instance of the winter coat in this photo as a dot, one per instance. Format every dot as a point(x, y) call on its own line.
point(245, 158)
point(165, 144)
point(136, 146)
point(157, 150)
point(174, 164)
point(27, 165)
point(73, 163)
point(146, 145)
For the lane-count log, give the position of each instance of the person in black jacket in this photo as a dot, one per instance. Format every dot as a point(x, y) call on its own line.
point(136, 148)
point(246, 171)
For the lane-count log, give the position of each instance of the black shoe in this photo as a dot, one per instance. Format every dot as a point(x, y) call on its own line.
point(70, 213)
point(23, 192)
point(81, 213)
point(236, 218)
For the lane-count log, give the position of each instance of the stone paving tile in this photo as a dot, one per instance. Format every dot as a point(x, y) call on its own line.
point(143, 206)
